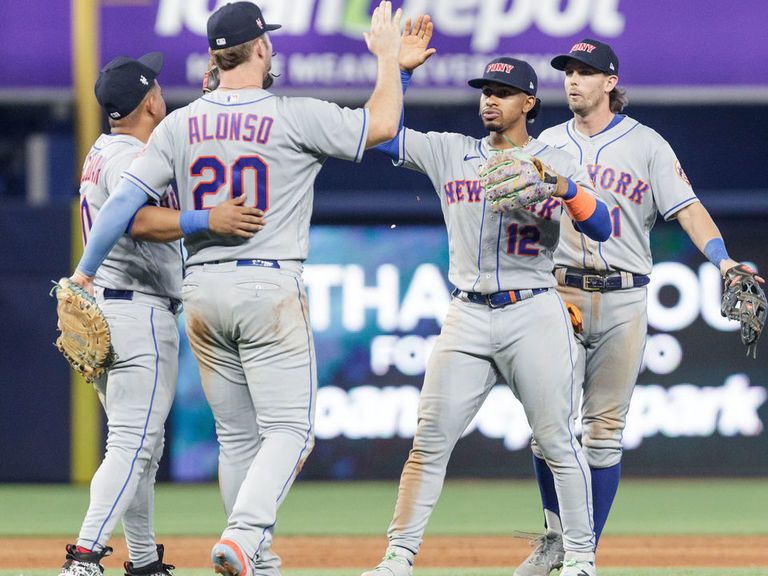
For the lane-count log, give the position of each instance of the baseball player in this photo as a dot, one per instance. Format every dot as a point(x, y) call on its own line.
point(245, 302)
point(506, 323)
point(139, 290)
point(637, 174)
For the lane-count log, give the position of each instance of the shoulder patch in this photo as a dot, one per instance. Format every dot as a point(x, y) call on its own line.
point(679, 170)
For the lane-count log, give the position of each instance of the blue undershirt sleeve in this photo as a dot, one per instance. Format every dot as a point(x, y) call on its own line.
point(110, 224)
point(598, 225)
point(391, 147)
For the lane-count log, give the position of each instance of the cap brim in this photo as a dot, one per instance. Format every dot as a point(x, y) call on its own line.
point(560, 62)
point(477, 82)
point(271, 27)
point(153, 61)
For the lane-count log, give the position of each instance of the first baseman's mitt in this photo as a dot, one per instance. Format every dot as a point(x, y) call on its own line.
point(85, 339)
point(744, 300)
point(514, 179)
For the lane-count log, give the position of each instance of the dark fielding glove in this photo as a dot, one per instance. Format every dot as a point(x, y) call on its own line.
point(744, 300)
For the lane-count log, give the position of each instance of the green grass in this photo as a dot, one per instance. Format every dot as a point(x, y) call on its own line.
point(465, 507)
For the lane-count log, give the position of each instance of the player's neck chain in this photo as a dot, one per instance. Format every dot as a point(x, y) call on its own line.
point(515, 145)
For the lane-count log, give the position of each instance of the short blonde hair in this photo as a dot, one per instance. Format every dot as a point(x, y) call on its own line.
point(229, 58)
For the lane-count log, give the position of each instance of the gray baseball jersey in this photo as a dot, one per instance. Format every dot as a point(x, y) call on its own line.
point(482, 345)
point(147, 267)
point(489, 253)
point(636, 173)
point(136, 288)
point(267, 146)
point(244, 299)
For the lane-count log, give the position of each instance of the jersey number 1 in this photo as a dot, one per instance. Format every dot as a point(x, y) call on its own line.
point(243, 167)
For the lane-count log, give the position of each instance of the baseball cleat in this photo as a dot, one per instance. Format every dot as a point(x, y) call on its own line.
point(547, 556)
point(156, 568)
point(228, 559)
point(396, 562)
point(83, 563)
point(578, 568)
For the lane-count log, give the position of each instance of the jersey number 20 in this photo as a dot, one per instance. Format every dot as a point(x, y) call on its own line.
point(219, 174)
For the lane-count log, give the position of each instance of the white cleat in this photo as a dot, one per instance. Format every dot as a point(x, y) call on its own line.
point(396, 562)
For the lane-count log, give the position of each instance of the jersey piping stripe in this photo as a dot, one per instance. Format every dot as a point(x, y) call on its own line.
point(482, 224)
point(679, 206)
point(401, 147)
point(237, 103)
point(597, 156)
point(146, 424)
point(146, 187)
point(600, 252)
point(581, 152)
point(360, 147)
point(498, 254)
point(540, 151)
point(566, 324)
point(301, 457)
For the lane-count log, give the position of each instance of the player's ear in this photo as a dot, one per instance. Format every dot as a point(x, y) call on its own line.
point(610, 82)
point(529, 103)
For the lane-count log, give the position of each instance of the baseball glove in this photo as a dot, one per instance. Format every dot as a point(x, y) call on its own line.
point(744, 300)
point(513, 179)
point(85, 339)
point(211, 79)
point(577, 318)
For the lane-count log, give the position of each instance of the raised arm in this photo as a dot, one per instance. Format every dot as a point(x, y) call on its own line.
point(386, 102)
point(414, 51)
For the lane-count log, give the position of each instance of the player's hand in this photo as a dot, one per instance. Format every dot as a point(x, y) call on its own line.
point(233, 219)
point(729, 263)
point(414, 45)
point(384, 38)
point(84, 281)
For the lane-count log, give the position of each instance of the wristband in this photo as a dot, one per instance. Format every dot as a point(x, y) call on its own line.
point(193, 221)
point(715, 251)
point(572, 189)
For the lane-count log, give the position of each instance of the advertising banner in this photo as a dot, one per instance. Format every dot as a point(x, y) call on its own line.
point(660, 44)
point(376, 307)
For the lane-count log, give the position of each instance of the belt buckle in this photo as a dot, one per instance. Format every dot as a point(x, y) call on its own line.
point(587, 278)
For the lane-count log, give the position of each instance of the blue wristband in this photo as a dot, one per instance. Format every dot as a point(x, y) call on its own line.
point(193, 221)
point(572, 189)
point(715, 251)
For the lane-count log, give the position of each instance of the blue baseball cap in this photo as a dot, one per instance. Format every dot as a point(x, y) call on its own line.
point(592, 53)
point(123, 83)
point(236, 23)
point(510, 72)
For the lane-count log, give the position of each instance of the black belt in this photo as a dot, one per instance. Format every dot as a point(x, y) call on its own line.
point(253, 262)
point(110, 294)
point(596, 281)
point(499, 299)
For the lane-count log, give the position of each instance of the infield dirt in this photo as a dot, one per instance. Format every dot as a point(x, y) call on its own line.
point(438, 551)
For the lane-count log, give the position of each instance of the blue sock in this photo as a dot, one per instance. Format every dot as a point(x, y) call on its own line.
point(546, 485)
point(605, 483)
